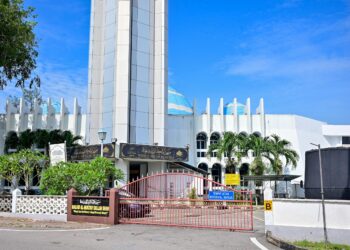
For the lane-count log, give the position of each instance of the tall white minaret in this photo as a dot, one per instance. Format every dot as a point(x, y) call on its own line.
point(128, 71)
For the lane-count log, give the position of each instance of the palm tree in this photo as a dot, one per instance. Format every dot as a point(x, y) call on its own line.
point(11, 141)
point(70, 139)
point(260, 149)
point(281, 148)
point(55, 136)
point(41, 138)
point(26, 139)
point(231, 147)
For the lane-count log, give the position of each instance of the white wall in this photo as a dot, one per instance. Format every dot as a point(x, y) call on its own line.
point(336, 130)
point(300, 131)
point(308, 213)
point(294, 220)
point(181, 133)
point(14, 121)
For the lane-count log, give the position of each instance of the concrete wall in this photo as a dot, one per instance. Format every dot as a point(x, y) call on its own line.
point(5, 203)
point(41, 204)
point(294, 220)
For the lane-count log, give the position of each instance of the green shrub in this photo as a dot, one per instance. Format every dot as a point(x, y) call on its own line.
point(85, 177)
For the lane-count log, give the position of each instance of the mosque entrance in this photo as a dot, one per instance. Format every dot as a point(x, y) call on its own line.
point(136, 171)
point(185, 200)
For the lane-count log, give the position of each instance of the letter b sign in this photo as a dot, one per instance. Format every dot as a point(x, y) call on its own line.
point(268, 205)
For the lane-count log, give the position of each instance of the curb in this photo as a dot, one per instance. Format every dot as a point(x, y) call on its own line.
point(280, 243)
point(259, 207)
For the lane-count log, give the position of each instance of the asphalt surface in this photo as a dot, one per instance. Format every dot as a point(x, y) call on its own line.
point(136, 237)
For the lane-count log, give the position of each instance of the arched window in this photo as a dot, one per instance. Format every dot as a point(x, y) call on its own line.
point(243, 134)
point(257, 134)
point(214, 138)
point(216, 172)
point(231, 169)
point(243, 171)
point(201, 144)
point(203, 166)
point(201, 141)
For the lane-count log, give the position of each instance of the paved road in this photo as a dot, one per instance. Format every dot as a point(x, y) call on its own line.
point(136, 237)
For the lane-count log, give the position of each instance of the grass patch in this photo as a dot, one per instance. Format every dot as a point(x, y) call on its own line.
point(320, 245)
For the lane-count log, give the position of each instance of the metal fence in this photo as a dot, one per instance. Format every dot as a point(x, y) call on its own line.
point(185, 200)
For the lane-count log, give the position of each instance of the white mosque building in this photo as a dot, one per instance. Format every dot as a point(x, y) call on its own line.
point(187, 127)
point(129, 98)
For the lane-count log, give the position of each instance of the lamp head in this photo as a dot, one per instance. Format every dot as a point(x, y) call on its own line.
point(102, 134)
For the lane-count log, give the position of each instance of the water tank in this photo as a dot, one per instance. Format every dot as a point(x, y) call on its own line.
point(336, 173)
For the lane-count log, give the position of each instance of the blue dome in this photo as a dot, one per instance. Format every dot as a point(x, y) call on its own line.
point(56, 105)
point(228, 109)
point(178, 104)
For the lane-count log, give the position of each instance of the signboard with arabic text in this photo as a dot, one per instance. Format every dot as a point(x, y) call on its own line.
point(84, 153)
point(57, 153)
point(147, 152)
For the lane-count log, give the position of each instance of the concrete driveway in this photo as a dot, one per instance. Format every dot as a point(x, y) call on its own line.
point(137, 237)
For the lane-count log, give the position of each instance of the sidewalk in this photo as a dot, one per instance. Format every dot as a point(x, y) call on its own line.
point(37, 222)
point(37, 217)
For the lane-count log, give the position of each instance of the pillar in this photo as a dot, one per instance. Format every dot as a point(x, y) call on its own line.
point(268, 207)
point(235, 116)
point(249, 116)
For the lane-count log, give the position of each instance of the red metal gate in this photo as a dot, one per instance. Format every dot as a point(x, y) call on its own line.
point(185, 200)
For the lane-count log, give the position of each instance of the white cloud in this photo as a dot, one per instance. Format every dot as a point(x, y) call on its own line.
point(274, 66)
point(294, 50)
point(57, 81)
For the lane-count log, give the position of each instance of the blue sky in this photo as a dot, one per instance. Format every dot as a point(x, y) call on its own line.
point(293, 53)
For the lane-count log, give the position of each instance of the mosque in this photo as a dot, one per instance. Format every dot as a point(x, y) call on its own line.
point(188, 128)
point(129, 99)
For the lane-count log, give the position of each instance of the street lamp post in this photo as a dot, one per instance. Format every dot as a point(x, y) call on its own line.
point(322, 192)
point(102, 136)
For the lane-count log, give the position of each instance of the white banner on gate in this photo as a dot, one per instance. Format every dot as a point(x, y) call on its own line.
point(58, 153)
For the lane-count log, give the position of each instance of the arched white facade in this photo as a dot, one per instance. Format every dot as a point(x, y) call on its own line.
point(182, 130)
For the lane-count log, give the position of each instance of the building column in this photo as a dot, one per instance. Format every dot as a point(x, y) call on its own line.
point(23, 116)
point(235, 116)
point(76, 113)
point(223, 172)
point(222, 115)
point(261, 111)
point(249, 116)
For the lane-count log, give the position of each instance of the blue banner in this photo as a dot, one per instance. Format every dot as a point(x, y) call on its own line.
point(221, 195)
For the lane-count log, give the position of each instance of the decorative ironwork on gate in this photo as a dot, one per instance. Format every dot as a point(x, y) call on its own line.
point(185, 200)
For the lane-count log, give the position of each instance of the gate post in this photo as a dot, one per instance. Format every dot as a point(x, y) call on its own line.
point(268, 207)
point(15, 193)
point(114, 206)
point(72, 192)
